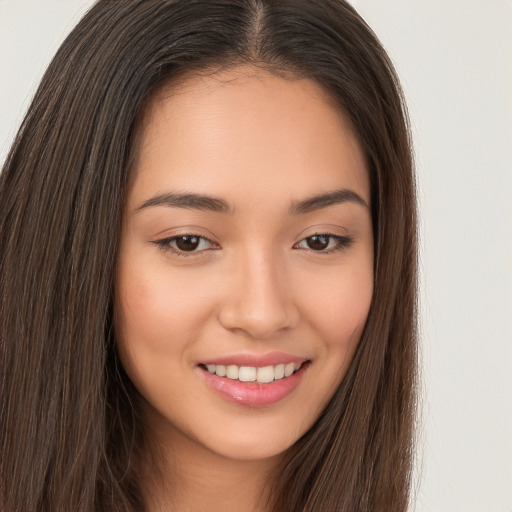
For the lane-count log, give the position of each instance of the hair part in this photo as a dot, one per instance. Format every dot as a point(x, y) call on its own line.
point(70, 433)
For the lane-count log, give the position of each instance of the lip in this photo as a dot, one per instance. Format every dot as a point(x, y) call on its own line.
point(268, 359)
point(253, 394)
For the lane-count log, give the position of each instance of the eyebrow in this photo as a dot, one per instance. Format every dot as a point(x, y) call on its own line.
point(214, 204)
point(188, 201)
point(328, 199)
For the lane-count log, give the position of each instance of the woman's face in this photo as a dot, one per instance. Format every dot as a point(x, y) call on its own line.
point(247, 251)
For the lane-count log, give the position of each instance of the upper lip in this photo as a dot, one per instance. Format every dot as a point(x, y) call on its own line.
point(259, 360)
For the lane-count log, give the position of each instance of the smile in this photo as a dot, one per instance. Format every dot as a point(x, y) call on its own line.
point(253, 386)
point(262, 374)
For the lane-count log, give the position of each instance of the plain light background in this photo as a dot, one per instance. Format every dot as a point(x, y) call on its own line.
point(455, 61)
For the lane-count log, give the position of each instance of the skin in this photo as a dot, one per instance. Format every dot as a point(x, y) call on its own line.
point(260, 143)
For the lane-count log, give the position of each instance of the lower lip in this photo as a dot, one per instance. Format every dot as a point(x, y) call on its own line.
point(253, 394)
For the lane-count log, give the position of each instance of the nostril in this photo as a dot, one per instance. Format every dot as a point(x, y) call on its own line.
point(257, 322)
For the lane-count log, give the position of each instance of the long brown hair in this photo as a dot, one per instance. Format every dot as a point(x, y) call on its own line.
point(69, 426)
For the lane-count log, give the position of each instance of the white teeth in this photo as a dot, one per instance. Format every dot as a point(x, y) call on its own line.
point(289, 369)
point(263, 374)
point(247, 374)
point(279, 371)
point(232, 372)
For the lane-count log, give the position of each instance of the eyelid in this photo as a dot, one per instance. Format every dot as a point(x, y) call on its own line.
point(342, 242)
point(165, 244)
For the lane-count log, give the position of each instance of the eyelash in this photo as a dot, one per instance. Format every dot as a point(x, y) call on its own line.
point(342, 242)
point(165, 245)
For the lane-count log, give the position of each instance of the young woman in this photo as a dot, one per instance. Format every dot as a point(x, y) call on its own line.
point(208, 266)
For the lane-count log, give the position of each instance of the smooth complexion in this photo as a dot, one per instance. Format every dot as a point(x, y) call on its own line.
point(252, 282)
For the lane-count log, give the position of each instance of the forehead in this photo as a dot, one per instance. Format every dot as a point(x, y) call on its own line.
point(242, 131)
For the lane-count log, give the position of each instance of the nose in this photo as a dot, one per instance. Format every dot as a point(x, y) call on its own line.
point(259, 301)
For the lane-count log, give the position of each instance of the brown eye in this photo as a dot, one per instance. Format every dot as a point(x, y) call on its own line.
point(318, 242)
point(325, 243)
point(187, 243)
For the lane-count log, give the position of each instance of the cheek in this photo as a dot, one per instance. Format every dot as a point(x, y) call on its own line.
point(144, 314)
point(155, 317)
point(339, 309)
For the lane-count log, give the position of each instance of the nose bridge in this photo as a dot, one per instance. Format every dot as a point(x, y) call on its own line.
point(259, 301)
